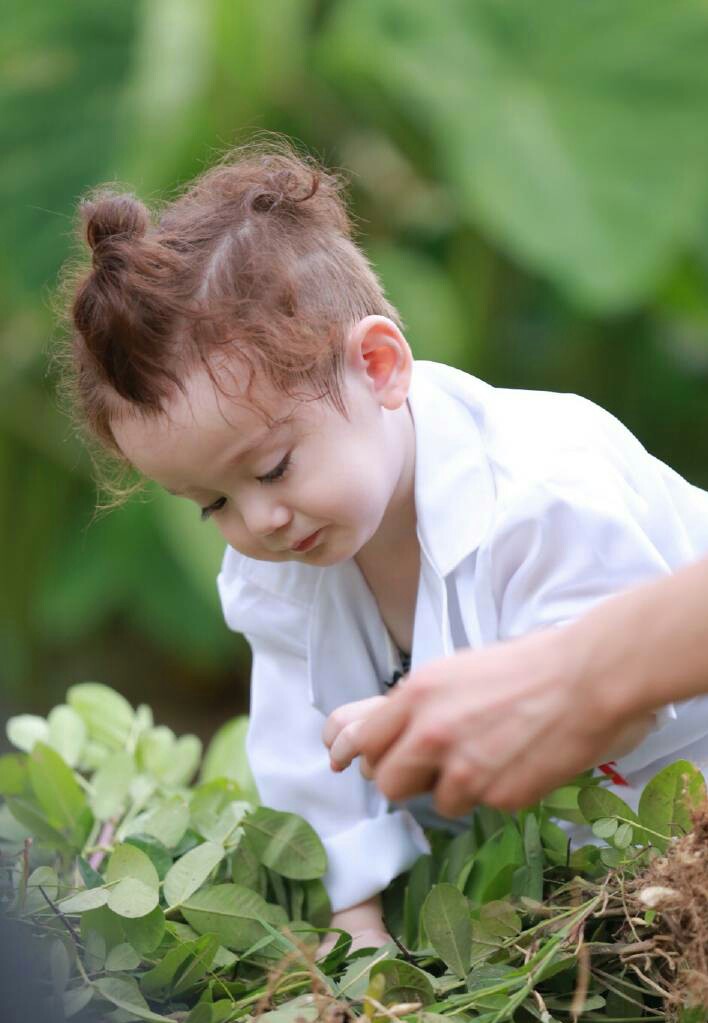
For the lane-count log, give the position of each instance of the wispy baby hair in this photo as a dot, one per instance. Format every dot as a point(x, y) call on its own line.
point(256, 255)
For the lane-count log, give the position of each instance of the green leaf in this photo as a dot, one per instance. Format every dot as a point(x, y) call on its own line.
point(403, 982)
point(107, 715)
point(419, 884)
point(75, 1000)
point(245, 867)
point(125, 993)
point(103, 923)
point(67, 733)
point(155, 850)
point(190, 872)
point(90, 877)
point(157, 982)
point(595, 803)
point(623, 837)
point(46, 879)
point(33, 818)
point(172, 761)
point(666, 802)
point(122, 957)
point(200, 961)
point(318, 910)
point(565, 119)
point(90, 898)
point(167, 822)
point(136, 892)
point(13, 775)
point(216, 811)
point(226, 758)
point(528, 879)
point(111, 785)
point(25, 730)
point(55, 787)
point(446, 918)
point(232, 912)
point(286, 843)
point(146, 932)
point(605, 827)
point(563, 803)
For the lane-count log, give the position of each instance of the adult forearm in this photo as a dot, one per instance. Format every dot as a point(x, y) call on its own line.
point(648, 647)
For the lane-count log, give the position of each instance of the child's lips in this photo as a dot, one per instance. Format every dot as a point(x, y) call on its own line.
point(307, 543)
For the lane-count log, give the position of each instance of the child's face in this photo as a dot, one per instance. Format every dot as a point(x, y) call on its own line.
point(314, 486)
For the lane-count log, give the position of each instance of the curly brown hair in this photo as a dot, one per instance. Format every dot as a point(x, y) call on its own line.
point(256, 255)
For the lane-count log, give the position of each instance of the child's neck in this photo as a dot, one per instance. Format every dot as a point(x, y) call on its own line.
point(390, 561)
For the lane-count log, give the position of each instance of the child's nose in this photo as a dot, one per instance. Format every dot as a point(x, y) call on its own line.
point(266, 517)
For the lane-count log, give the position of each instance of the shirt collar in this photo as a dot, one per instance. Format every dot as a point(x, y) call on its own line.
point(454, 487)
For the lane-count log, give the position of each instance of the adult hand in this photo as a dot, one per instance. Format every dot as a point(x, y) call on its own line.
point(500, 726)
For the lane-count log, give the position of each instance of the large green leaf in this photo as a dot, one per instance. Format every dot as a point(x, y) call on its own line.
point(167, 822)
point(234, 913)
point(125, 993)
point(56, 788)
point(67, 733)
point(286, 843)
point(111, 785)
point(446, 918)
point(134, 890)
point(226, 757)
point(107, 715)
point(190, 871)
point(403, 982)
point(667, 800)
point(570, 132)
point(596, 803)
point(146, 932)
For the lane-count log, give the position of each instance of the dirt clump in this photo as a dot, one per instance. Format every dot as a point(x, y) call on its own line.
point(675, 885)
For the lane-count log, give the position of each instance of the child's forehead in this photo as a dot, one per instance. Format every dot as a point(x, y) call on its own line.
point(209, 410)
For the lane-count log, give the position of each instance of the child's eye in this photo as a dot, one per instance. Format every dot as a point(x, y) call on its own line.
point(277, 473)
point(206, 512)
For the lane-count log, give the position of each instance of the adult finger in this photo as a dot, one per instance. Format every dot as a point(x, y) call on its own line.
point(459, 788)
point(385, 726)
point(409, 768)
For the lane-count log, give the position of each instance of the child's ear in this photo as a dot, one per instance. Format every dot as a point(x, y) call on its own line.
point(377, 348)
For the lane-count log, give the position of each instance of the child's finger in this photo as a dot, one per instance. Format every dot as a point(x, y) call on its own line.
point(346, 746)
point(346, 714)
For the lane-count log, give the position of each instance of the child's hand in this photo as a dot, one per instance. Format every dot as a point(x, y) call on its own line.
point(500, 726)
point(342, 732)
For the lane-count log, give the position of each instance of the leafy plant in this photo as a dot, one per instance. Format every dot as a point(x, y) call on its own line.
point(154, 897)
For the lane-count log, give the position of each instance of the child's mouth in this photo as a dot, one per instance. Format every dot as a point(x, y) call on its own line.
point(307, 543)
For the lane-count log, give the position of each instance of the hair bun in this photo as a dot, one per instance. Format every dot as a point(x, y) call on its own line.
point(108, 216)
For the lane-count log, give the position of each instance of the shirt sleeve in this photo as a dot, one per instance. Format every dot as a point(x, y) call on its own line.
point(560, 550)
point(366, 845)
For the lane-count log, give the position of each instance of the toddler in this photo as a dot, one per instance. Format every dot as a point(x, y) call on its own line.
point(379, 513)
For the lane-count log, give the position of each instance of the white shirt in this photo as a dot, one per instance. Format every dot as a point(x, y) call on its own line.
point(531, 507)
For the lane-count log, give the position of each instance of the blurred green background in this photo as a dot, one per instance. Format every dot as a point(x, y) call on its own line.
point(531, 180)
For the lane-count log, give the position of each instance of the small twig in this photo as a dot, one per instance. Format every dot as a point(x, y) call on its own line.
point(581, 986)
point(107, 832)
point(647, 980)
point(404, 1008)
point(402, 949)
point(74, 936)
